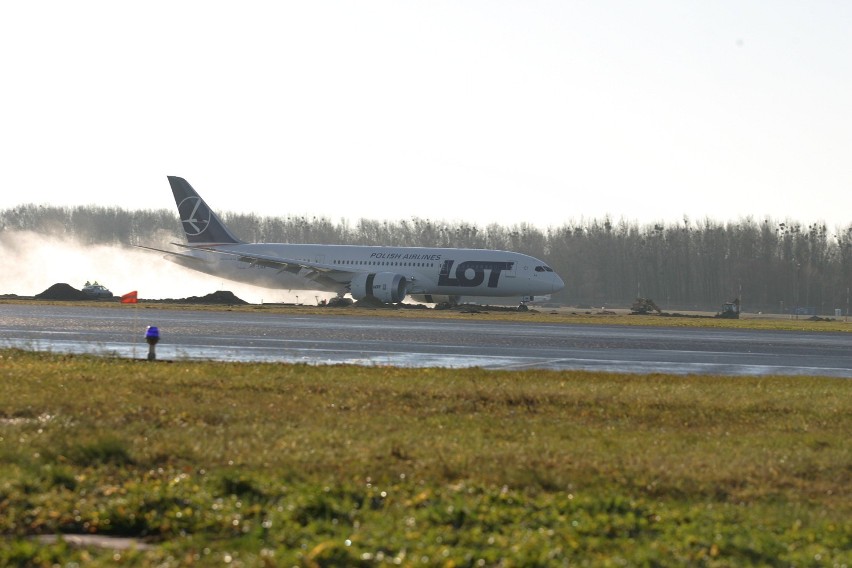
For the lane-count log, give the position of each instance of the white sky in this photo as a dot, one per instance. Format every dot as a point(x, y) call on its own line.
point(505, 112)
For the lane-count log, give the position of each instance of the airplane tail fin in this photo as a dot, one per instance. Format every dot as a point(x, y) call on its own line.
point(200, 223)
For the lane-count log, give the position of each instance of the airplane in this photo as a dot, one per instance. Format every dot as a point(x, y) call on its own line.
point(385, 273)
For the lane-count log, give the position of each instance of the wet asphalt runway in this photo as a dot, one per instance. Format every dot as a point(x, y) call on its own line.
point(245, 336)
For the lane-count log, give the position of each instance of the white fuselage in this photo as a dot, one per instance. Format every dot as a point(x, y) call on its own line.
point(429, 271)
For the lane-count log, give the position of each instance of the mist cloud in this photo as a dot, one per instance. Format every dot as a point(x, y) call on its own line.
point(33, 262)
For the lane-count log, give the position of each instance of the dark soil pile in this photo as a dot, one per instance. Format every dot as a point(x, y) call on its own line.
point(219, 297)
point(370, 302)
point(817, 318)
point(63, 292)
point(476, 308)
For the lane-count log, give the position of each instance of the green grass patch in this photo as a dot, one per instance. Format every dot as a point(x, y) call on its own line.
point(269, 464)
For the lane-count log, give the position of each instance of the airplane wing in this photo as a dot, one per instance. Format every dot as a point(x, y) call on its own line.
point(288, 264)
point(310, 270)
point(180, 256)
point(328, 275)
point(284, 264)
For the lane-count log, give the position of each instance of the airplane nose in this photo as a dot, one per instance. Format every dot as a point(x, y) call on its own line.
point(558, 284)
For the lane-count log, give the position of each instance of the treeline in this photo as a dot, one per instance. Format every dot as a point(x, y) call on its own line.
point(773, 266)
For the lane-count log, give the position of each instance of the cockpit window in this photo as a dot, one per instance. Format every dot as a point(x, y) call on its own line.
point(543, 269)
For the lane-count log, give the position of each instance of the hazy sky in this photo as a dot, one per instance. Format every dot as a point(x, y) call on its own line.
point(505, 112)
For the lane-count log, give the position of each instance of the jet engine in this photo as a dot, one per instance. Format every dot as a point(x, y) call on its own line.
point(387, 287)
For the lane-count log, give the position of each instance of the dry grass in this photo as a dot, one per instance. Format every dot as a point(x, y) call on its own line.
point(565, 315)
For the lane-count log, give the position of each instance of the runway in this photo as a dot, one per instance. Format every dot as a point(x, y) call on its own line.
point(383, 340)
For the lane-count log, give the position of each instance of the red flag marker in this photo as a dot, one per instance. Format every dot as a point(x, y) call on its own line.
point(129, 298)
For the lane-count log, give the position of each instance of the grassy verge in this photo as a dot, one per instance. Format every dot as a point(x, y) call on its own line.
point(535, 315)
point(255, 464)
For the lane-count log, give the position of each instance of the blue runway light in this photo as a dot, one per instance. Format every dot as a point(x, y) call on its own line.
point(152, 336)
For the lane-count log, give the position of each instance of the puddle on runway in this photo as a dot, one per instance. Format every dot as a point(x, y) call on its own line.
point(266, 355)
point(375, 358)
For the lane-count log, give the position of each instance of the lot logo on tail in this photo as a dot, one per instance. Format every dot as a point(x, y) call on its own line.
point(194, 215)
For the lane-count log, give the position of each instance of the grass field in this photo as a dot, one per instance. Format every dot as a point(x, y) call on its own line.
point(278, 465)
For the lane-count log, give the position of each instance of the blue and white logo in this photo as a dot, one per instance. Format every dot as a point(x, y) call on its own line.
point(194, 215)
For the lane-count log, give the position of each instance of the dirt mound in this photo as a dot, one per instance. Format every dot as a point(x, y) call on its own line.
point(371, 302)
point(219, 297)
point(62, 292)
point(483, 308)
point(817, 318)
